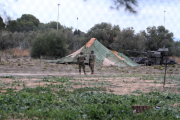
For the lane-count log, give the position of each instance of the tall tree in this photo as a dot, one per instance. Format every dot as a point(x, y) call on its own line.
point(128, 40)
point(51, 24)
point(2, 24)
point(104, 32)
point(157, 37)
point(27, 22)
point(12, 26)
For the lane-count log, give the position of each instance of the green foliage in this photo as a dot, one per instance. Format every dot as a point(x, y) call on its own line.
point(84, 103)
point(42, 103)
point(12, 77)
point(77, 32)
point(103, 32)
point(158, 37)
point(175, 49)
point(27, 22)
point(81, 90)
point(156, 67)
point(52, 24)
point(12, 26)
point(128, 4)
point(2, 24)
point(50, 43)
point(128, 40)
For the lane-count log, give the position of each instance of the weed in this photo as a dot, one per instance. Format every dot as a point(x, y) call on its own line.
point(24, 86)
point(45, 66)
point(156, 67)
point(77, 83)
point(110, 90)
point(81, 90)
point(133, 68)
point(2, 63)
point(160, 68)
point(170, 72)
point(155, 81)
point(173, 65)
point(137, 91)
point(116, 68)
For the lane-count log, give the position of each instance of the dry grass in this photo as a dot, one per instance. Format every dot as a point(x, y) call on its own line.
point(16, 53)
point(177, 59)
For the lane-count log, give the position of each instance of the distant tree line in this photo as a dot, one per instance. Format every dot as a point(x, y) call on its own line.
point(27, 32)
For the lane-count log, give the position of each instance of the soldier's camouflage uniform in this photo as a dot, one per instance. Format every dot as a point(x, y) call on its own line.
point(81, 59)
point(91, 62)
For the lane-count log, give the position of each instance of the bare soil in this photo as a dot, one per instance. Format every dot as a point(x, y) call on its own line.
point(16, 73)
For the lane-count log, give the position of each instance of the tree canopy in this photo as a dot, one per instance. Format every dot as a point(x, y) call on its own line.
point(158, 37)
point(2, 24)
point(12, 26)
point(104, 32)
point(27, 22)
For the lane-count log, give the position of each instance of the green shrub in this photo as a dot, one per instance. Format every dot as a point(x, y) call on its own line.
point(156, 67)
point(50, 43)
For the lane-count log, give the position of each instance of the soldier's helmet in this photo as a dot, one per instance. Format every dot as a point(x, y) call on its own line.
point(92, 51)
point(81, 53)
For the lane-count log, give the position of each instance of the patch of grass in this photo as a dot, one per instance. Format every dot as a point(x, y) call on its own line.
point(77, 83)
point(137, 92)
point(170, 72)
point(173, 65)
point(11, 77)
point(155, 81)
point(110, 90)
point(156, 67)
point(160, 68)
point(133, 68)
point(81, 90)
point(76, 67)
point(2, 63)
point(45, 66)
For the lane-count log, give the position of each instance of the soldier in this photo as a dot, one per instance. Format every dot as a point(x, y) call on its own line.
point(81, 59)
point(91, 61)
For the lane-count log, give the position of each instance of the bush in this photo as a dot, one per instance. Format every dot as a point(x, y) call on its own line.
point(50, 43)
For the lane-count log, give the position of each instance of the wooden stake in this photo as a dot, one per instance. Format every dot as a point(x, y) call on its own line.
point(165, 74)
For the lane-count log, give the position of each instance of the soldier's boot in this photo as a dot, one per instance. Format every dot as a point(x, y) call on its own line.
point(92, 72)
point(79, 72)
point(85, 73)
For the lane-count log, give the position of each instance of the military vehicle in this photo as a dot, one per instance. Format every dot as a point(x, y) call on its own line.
point(153, 57)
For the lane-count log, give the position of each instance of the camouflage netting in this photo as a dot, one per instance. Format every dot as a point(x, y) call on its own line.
point(104, 56)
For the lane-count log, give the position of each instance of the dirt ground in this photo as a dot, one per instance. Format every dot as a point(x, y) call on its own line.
point(118, 80)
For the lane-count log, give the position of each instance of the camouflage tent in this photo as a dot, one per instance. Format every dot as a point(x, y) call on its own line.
point(104, 56)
